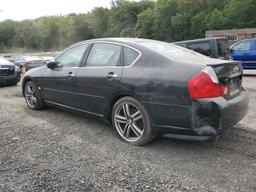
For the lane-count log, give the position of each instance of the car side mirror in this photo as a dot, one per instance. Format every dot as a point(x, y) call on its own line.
point(52, 64)
point(231, 51)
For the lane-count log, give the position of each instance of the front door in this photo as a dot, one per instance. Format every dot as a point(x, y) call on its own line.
point(59, 83)
point(99, 78)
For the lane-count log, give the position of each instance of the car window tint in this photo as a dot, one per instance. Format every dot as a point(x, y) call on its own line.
point(203, 48)
point(171, 51)
point(223, 47)
point(104, 54)
point(130, 55)
point(243, 46)
point(72, 57)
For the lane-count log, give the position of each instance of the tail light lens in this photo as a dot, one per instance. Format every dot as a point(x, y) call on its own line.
point(28, 62)
point(205, 84)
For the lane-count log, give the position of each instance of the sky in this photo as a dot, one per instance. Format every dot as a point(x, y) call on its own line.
point(30, 9)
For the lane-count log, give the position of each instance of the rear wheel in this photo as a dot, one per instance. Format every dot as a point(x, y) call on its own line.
point(32, 96)
point(131, 121)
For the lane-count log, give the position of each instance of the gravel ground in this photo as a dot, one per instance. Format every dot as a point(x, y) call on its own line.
point(53, 150)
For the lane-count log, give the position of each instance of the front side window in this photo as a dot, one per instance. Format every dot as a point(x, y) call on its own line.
point(203, 48)
point(104, 54)
point(130, 55)
point(72, 57)
point(243, 46)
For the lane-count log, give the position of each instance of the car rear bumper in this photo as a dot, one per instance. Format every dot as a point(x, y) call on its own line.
point(10, 79)
point(249, 64)
point(210, 116)
point(220, 112)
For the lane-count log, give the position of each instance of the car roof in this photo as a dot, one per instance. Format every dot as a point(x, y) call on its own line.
point(122, 40)
point(252, 39)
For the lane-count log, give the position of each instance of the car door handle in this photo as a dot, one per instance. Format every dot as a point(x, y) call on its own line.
point(111, 75)
point(70, 74)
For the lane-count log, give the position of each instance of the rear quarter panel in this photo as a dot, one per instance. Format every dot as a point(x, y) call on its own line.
point(160, 85)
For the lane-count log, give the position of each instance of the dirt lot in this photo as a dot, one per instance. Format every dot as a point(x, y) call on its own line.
point(54, 150)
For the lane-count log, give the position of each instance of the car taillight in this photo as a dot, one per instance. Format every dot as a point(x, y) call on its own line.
point(28, 62)
point(205, 84)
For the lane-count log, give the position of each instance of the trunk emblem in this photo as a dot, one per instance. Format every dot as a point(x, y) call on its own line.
point(236, 69)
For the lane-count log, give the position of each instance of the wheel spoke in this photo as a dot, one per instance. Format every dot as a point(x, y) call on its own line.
point(120, 119)
point(33, 99)
point(29, 90)
point(136, 130)
point(126, 110)
point(136, 116)
point(127, 130)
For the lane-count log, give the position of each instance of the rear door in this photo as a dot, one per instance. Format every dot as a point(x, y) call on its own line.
point(99, 78)
point(59, 83)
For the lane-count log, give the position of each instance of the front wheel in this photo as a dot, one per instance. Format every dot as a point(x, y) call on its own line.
point(32, 96)
point(131, 121)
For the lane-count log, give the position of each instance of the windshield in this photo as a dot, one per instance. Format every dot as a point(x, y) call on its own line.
point(171, 51)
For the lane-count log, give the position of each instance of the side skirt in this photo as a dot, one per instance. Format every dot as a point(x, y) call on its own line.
point(72, 108)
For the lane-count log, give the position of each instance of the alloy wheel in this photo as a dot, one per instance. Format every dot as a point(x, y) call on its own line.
point(30, 95)
point(129, 122)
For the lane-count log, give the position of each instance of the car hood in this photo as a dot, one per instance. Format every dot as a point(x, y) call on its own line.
point(5, 62)
point(36, 72)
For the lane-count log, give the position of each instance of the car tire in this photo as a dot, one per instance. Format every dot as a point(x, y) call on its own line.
point(131, 122)
point(32, 96)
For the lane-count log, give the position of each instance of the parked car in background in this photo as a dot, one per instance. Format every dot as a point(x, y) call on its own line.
point(47, 59)
point(9, 73)
point(211, 47)
point(245, 51)
point(143, 87)
point(26, 63)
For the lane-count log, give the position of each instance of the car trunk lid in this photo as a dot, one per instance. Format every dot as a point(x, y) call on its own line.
point(230, 74)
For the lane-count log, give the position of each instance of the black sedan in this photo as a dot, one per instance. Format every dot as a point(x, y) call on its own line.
point(145, 88)
point(9, 73)
point(26, 63)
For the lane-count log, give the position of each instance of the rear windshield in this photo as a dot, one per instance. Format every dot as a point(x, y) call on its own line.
point(223, 47)
point(201, 47)
point(173, 52)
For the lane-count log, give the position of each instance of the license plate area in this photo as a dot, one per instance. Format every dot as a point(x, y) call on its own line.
point(234, 86)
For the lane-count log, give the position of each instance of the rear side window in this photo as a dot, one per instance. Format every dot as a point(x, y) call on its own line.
point(243, 46)
point(223, 47)
point(104, 54)
point(203, 48)
point(130, 56)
